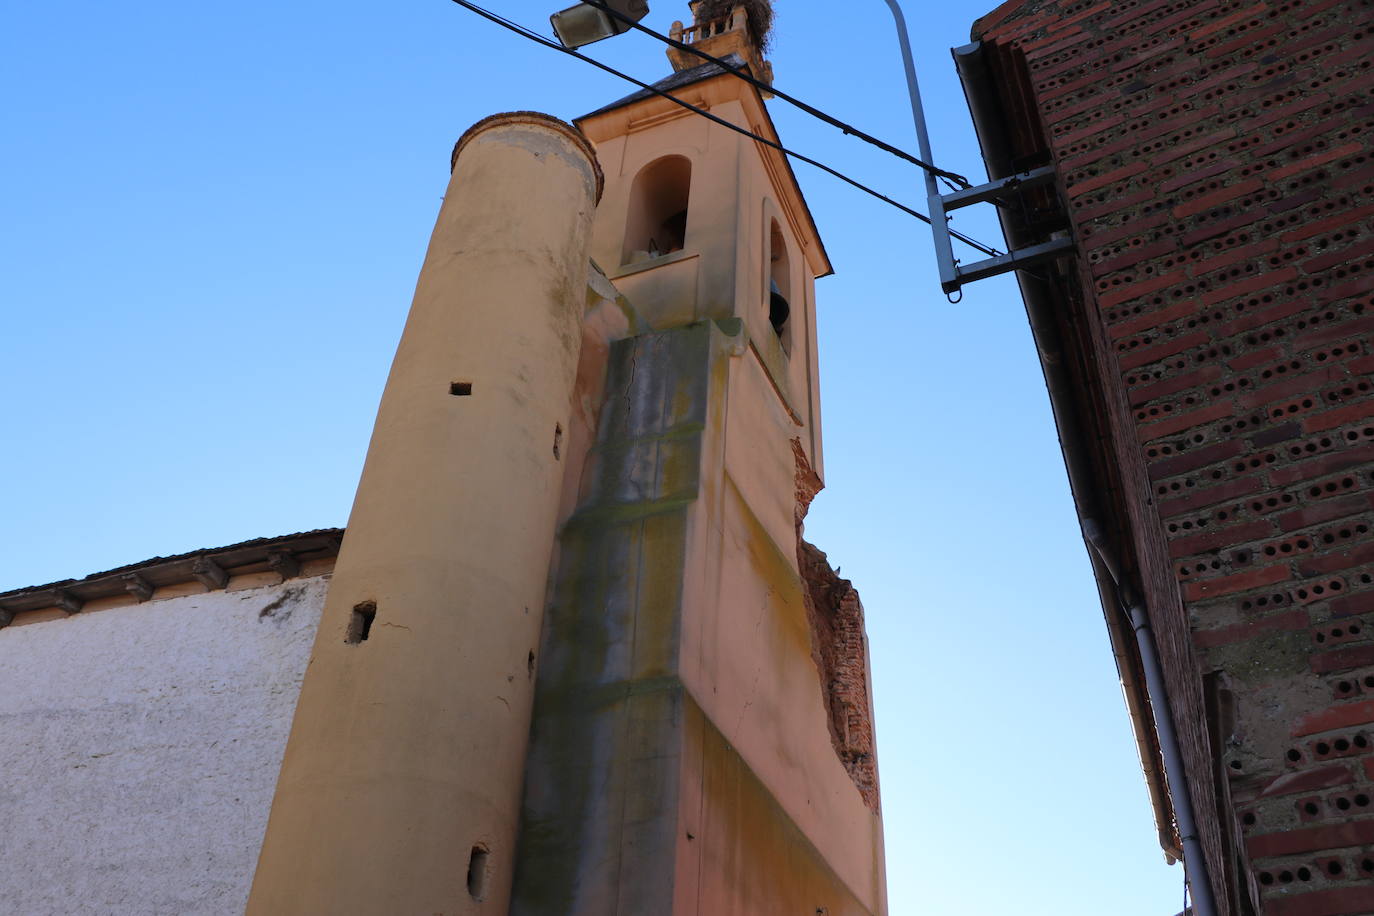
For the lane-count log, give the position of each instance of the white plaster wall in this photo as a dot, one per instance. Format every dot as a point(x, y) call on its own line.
point(139, 750)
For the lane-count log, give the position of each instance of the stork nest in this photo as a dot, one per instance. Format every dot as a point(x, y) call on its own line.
point(758, 16)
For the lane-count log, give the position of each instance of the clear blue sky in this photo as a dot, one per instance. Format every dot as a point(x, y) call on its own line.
point(214, 217)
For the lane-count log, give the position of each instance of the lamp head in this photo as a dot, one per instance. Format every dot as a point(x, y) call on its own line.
point(583, 24)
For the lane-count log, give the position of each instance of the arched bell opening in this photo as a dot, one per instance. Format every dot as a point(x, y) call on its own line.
point(779, 286)
point(657, 222)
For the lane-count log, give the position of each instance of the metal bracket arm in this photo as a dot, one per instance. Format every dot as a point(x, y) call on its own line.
point(1015, 260)
point(1002, 187)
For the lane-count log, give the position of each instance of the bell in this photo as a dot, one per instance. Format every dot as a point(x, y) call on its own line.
point(778, 309)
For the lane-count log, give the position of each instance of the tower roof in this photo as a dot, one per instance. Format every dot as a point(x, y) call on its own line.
point(678, 80)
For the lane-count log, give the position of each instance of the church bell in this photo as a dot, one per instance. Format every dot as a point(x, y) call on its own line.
point(778, 309)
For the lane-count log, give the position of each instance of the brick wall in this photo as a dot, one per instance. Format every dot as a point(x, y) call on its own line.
point(839, 646)
point(1215, 161)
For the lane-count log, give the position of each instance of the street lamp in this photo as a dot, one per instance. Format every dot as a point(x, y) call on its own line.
point(583, 24)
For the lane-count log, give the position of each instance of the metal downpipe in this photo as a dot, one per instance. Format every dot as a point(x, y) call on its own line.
point(1194, 861)
point(989, 123)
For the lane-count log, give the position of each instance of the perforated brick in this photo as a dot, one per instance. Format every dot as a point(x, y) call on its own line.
point(1215, 163)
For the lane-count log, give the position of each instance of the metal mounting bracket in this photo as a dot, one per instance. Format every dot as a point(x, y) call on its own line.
point(954, 275)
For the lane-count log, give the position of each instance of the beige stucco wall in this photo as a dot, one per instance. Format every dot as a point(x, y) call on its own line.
point(748, 657)
point(745, 855)
point(738, 188)
point(680, 726)
point(140, 747)
point(745, 652)
point(407, 752)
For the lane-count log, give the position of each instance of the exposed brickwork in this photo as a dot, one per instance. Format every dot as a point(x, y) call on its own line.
point(838, 646)
point(1215, 160)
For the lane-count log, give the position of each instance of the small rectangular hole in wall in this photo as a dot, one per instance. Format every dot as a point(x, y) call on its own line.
point(477, 872)
point(460, 389)
point(361, 622)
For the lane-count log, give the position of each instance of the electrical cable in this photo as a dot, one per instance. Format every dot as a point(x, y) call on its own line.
point(534, 36)
point(955, 181)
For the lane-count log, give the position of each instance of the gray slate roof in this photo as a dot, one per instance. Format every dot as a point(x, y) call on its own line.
point(675, 81)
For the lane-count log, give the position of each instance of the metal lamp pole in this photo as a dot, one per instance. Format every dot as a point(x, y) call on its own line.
point(944, 251)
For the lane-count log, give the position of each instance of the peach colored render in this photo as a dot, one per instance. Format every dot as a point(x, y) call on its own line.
point(576, 658)
point(403, 769)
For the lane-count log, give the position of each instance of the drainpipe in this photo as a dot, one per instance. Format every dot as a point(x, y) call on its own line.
point(1038, 297)
point(1037, 292)
point(1194, 862)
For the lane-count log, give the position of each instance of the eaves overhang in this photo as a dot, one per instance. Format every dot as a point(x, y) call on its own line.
point(287, 556)
point(1001, 102)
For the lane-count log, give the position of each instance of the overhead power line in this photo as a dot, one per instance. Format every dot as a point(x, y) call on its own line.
point(955, 181)
point(534, 36)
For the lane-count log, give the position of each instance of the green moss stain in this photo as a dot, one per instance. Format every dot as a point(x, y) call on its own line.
point(730, 327)
point(608, 700)
point(775, 568)
point(752, 847)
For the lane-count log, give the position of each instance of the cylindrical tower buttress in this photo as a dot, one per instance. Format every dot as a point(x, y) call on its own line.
point(399, 791)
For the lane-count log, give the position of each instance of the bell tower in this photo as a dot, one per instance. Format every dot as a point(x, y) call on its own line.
point(576, 658)
point(699, 222)
point(702, 734)
point(724, 27)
